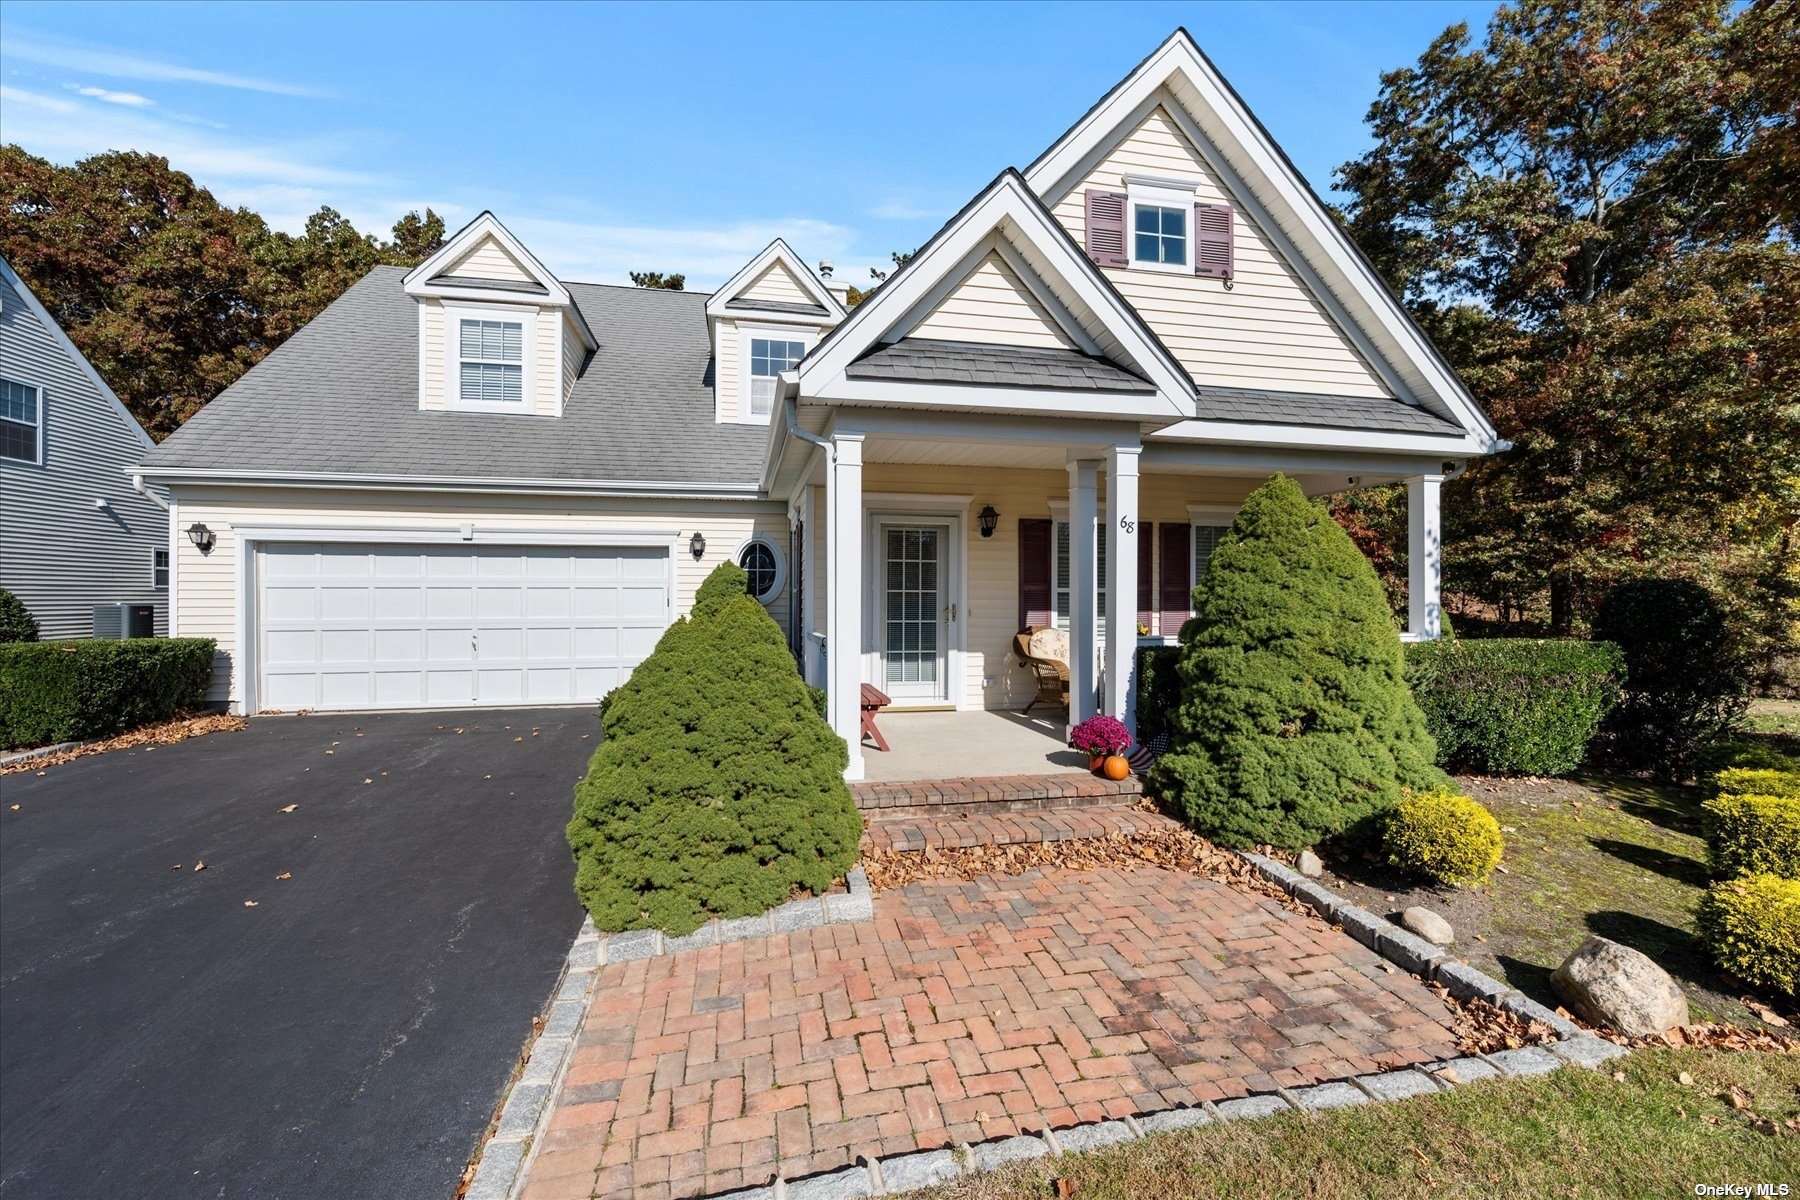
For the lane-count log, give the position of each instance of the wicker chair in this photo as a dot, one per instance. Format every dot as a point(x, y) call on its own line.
point(1045, 653)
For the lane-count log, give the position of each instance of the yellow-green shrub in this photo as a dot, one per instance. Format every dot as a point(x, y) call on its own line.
point(1752, 926)
point(1443, 836)
point(1760, 781)
point(1749, 834)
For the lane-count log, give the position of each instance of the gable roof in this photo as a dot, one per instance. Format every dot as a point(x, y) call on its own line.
point(828, 306)
point(429, 277)
point(1268, 186)
point(340, 401)
point(950, 253)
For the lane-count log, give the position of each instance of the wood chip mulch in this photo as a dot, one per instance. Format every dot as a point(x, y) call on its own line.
point(165, 733)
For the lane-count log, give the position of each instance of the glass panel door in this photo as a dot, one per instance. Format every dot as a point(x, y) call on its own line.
point(913, 610)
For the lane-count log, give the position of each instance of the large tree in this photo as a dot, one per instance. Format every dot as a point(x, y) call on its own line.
point(170, 294)
point(1592, 211)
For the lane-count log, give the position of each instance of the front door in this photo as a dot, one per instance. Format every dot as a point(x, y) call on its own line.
point(916, 609)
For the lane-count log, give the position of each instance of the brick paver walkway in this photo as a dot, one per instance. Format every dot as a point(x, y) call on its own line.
point(964, 1011)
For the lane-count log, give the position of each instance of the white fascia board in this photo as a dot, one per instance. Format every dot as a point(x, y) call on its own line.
point(898, 393)
point(763, 316)
point(777, 249)
point(967, 427)
point(1005, 201)
point(647, 489)
point(995, 243)
point(417, 281)
point(1220, 459)
point(1255, 433)
point(77, 357)
point(1257, 161)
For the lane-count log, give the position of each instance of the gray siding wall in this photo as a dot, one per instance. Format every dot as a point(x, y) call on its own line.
point(58, 553)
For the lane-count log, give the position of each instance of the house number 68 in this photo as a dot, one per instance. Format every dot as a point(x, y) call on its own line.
point(1126, 523)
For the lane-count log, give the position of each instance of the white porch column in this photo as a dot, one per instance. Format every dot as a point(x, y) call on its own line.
point(1083, 584)
point(1121, 583)
point(843, 614)
point(1424, 559)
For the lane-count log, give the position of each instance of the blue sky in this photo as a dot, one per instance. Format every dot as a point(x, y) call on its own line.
point(668, 137)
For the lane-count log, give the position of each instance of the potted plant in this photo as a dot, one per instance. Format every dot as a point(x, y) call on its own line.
point(1104, 740)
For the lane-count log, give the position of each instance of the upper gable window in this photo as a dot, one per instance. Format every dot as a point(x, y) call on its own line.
point(769, 357)
point(489, 352)
point(21, 422)
point(1159, 222)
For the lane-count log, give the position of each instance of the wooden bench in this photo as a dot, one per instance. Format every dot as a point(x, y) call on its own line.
point(873, 701)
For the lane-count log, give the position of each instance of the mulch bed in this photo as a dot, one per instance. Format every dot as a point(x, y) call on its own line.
point(164, 733)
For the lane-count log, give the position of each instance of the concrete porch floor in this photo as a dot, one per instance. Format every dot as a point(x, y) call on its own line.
point(955, 745)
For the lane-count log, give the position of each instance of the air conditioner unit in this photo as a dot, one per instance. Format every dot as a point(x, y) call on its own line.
point(116, 621)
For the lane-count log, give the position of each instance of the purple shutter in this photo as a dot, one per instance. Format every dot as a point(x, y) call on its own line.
point(1106, 228)
point(1212, 240)
point(1035, 541)
point(1177, 586)
point(1146, 554)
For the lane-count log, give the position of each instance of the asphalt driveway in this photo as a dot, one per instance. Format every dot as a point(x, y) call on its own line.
point(345, 1037)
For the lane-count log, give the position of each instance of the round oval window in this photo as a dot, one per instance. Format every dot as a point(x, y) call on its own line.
point(758, 561)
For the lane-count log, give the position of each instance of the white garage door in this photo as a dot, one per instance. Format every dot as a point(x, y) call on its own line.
point(368, 626)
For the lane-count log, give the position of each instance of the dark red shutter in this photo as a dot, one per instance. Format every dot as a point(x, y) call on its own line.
point(1212, 240)
point(1035, 541)
point(1106, 228)
point(1177, 567)
point(1146, 553)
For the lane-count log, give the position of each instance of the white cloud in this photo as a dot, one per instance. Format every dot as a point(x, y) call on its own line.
point(97, 60)
point(128, 99)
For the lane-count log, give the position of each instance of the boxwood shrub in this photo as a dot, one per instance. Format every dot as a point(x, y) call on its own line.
point(1514, 706)
point(718, 789)
point(1751, 925)
point(1748, 833)
point(69, 691)
point(1442, 836)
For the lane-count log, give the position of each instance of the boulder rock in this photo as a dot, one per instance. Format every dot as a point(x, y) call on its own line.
point(1428, 925)
point(1310, 866)
point(1616, 986)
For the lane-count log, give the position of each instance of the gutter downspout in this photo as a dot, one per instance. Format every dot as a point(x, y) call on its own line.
point(143, 489)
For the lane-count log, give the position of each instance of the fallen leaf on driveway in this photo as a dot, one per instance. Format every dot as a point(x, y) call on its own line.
point(331, 752)
point(249, 904)
point(285, 875)
point(287, 808)
point(368, 781)
point(518, 739)
point(15, 807)
point(176, 867)
point(200, 866)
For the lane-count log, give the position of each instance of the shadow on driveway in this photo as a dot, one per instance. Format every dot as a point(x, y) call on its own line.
point(345, 1037)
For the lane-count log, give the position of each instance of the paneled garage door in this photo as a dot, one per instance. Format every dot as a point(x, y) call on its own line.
point(377, 626)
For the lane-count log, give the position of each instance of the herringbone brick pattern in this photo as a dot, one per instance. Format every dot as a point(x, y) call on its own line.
point(964, 1011)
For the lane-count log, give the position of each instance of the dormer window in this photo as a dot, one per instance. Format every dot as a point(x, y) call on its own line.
point(769, 357)
point(489, 364)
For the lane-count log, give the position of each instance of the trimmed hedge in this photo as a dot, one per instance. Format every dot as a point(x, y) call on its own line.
point(69, 691)
point(1294, 721)
point(1751, 834)
point(1514, 706)
point(718, 789)
point(1443, 836)
point(16, 622)
point(1752, 926)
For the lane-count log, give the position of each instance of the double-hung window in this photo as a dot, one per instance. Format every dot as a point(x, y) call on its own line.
point(490, 362)
point(769, 357)
point(159, 569)
point(21, 422)
point(1063, 573)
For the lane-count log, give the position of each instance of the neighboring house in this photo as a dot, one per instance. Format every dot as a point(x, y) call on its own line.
point(476, 483)
point(74, 532)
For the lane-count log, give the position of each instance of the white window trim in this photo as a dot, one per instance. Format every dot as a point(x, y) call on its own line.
point(769, 333)
point(1159, 195)
point(774, 548)
point(165, 568)
point(42, 407)
point(1204, 516)
point(526, 319)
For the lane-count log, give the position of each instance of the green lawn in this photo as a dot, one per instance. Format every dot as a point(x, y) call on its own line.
point(1572, 1133)
point(1780, 717)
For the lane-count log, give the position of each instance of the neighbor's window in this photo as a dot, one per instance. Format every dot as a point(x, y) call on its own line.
point(769, 357)
point(21, 421)
point(492, 362)
point(159, 568)
point(762, 563)
point(1159, 235)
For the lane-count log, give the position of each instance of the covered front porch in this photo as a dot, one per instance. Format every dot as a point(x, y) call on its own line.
point(927, 542)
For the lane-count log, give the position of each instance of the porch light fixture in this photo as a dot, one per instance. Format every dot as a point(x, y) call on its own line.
point(202, 537)
point(697, 545)
point(988, 519)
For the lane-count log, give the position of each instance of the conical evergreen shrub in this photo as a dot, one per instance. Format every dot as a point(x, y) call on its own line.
point(1294, 720)
point(718, 790)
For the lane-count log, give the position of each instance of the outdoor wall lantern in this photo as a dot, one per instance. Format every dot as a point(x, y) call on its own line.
point(202, 537)
point(988, 519)
point(697, 545)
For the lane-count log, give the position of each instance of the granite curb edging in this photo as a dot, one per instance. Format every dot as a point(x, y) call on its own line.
point(856, 903)
point(19, 756)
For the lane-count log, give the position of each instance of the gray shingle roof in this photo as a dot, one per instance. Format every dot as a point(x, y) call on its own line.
point(929, 360)
point(778, 306)
point(496, 285)
point(1304, 408)
point(341, 396)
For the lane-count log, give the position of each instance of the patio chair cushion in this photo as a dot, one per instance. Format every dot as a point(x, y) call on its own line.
point(1052, 644)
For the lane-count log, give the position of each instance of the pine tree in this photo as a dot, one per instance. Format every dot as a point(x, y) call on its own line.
point(1295, 721)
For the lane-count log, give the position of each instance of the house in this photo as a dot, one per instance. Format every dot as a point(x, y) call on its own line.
point(75, 532)
point(476, 483)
